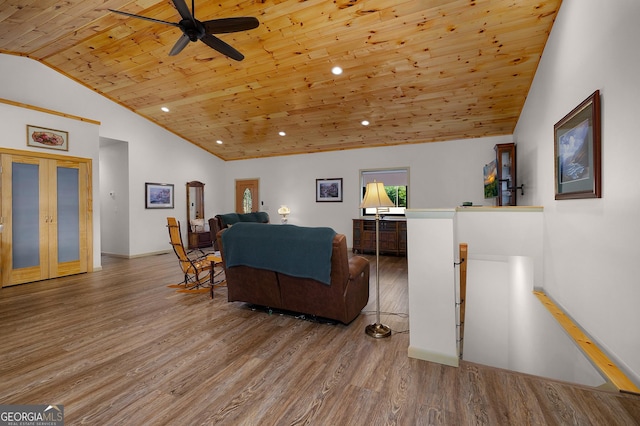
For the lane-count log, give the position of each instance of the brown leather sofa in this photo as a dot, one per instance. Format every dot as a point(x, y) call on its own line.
point(342, 300)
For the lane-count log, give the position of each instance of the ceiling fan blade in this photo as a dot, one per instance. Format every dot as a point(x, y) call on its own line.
point(180, 44)
point(222, 47)
point(230, 25)
point(183, 10)
point(173, 24)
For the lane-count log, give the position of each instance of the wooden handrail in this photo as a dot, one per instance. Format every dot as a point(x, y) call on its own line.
point(463, 291)
point(599, 359)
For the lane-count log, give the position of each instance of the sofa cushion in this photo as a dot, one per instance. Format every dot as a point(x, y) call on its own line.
point(231, 218)
point(259, 217)
point(228, 219)
point(293, 250)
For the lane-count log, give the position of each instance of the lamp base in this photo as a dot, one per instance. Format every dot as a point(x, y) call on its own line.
point(378, 330)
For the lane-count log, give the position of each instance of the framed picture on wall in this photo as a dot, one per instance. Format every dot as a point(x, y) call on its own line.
point(329, 190)
point(577, 151)
point(490, 172)
point(41, 137)
point(158, 195)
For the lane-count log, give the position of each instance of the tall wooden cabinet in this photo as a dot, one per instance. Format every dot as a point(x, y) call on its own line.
point(46, 217)
point(196, 237)
point(393, 236)
point(506, 170)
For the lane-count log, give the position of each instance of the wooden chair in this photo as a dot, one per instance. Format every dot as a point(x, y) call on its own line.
point(196, 267)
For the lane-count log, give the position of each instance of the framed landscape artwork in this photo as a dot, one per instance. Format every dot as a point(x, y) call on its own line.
point(329, 190)
point(41, 137)
point(491, 180)
point(577, 151)
point(158, 195)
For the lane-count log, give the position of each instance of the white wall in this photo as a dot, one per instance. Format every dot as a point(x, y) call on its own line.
point(486, 325)
point(441, 175)
point(590, 246)
point(114, 197)
point(82, 135)
point(431, 252)
point(506, 326)
point(505, 232)
point(155, 155)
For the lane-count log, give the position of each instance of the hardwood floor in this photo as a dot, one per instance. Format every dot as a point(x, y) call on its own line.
point(117, 347)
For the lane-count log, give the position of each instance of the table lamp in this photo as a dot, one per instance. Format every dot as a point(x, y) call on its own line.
point(284, 211)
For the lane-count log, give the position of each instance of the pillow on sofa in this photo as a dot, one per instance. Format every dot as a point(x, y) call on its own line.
point(259, 217)
point(229, 218)
point(262, 217)
point(197, 225)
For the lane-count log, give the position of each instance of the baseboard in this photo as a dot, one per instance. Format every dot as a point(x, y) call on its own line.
point(124, 256)
point(424, 355)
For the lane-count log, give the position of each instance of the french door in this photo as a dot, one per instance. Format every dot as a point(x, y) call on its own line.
point(45, 217)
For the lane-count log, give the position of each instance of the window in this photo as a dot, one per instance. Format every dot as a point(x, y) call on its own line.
point(247, 201)
point(396, 184)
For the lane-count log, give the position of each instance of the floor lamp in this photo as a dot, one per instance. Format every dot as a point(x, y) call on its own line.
point(376, 197)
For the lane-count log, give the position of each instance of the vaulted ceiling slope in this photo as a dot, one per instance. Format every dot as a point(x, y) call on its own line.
point(416, 70)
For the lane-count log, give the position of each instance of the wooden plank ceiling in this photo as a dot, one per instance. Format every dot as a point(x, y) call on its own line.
point(417, 70)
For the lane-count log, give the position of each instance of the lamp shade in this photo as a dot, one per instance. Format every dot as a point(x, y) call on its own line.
point(284, 210)
point(375, 196)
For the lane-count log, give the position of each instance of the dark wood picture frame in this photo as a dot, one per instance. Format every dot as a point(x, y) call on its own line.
point(158, 195)
point(329, 190)
point(577, 152)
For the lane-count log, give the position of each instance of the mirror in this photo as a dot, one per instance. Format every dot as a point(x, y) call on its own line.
point(197, 232)
point(195, 200)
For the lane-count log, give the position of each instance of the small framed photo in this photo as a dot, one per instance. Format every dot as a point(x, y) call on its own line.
point(329, 190)
point(41, 137)
point(578, 152)
point(158, 195)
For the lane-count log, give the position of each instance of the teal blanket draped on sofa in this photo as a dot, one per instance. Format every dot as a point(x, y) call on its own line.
point(289, 249)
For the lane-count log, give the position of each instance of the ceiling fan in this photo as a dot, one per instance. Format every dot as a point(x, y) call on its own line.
point(194, 30)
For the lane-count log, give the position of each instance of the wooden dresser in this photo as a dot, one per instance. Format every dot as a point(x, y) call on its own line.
point(393, 236)
point(199, 239)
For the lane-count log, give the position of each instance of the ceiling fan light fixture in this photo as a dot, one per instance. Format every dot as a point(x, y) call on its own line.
point(194, 30)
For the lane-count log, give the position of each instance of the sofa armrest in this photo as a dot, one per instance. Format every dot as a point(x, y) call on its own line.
point(214, 228)
point(357, 266)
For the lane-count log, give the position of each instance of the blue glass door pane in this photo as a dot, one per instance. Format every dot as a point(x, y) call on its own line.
point(68, 215)
point(25, 215)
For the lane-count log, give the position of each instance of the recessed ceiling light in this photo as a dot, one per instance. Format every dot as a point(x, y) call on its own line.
point(336, 70)
point(364, 122)
point(282, 133)
point(219, 142)
point(165, 109)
